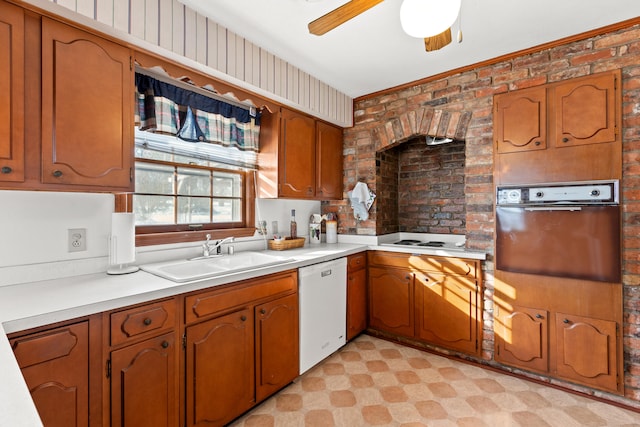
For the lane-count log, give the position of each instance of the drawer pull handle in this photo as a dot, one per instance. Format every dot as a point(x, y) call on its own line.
point(147, 321)
point(243, 318)
point(165, 344)
point(57, 173)
point(6, 169)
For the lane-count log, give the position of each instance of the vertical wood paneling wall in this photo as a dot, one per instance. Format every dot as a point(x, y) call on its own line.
point(171, 25)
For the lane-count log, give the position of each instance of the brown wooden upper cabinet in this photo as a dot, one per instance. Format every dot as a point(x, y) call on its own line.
point(565, 131)
point(87, 109)
point(300, 157)
point(520, 120)
point(11, 93)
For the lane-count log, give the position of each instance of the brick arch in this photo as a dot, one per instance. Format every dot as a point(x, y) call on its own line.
point(423, 122)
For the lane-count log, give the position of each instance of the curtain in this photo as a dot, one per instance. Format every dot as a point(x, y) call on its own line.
point(194, 117)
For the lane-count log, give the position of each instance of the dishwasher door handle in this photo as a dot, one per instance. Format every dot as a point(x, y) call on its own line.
point(325, 273)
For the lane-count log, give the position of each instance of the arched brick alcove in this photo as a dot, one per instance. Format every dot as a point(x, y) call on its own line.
point(423, 122)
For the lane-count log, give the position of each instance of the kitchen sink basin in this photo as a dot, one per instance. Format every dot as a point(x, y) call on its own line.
point(202, 268)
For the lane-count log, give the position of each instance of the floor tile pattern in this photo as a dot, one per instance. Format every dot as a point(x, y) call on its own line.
point(372, 382)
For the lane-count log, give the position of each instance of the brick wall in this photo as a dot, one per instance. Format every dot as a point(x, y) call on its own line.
point(472, 91)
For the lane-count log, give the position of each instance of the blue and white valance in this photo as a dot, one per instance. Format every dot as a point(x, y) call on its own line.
point(193, 116)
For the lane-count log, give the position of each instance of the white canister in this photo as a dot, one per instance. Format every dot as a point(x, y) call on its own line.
point(332, 231)
point(314, 232)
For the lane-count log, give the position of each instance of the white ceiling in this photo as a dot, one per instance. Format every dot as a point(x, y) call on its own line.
point(371, 52)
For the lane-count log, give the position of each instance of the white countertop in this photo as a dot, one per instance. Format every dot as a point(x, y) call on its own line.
point(29, 305)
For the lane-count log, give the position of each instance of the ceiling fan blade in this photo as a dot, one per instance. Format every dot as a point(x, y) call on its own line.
point(438, 41)
point(340, 15)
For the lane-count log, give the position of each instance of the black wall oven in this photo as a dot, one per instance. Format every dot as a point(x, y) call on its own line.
point(569, 229)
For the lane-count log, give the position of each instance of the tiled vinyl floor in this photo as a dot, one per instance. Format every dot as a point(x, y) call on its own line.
point(372, 382)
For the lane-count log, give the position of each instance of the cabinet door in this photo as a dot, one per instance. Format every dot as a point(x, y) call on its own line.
point(87, 109)
point(587, 351)
point(585, 111)
point(277, 345)
point(144, 386)
point(220, 369)
point(11, 93)
point(55, 366)
point(521, 338)
point(356, 302)
point(296, 159)
point(520, 120)
point(328, 161)
point(446, 311)
point(391, 307)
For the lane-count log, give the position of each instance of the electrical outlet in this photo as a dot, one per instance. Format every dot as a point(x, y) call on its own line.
point(77, 239)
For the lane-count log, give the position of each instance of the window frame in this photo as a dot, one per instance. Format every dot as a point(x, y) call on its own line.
point(147, 235)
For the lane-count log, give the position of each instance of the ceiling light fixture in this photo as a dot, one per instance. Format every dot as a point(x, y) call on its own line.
point(427, 18)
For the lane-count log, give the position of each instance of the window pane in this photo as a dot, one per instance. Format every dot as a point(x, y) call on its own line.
point(225, 210)
point(194, 182)
point(156, 179)
point(193, 210)
point(153, 210)
point(227, 184)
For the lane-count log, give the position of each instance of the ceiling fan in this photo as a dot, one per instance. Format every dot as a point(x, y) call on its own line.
point(354, 8)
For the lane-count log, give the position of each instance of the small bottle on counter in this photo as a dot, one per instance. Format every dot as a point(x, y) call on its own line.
point(294, 226)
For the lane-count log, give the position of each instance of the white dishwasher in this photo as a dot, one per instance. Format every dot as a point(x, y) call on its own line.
point(323, 310)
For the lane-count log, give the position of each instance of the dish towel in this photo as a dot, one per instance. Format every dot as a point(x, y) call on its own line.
point(361, 200)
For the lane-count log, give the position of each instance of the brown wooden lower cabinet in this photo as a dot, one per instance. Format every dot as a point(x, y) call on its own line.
point(144, 384)
point(277, 347)
point(55, 366)
point(446, 310)
point(130, 368)
point(429, 299)
point(587, 350)
point(356, 303)
point(391, 306)
point(220, 369)
point(242, 345)
point(562, 328)
point(521, 338)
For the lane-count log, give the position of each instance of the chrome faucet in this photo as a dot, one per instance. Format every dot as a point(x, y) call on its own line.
point(209, 249)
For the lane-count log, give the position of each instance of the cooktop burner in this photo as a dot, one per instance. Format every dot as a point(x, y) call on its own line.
point(407, 242)
point(433, 244)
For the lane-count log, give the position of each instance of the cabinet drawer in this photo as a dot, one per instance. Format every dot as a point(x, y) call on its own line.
point(453, 266)
point(357, 261)
point(141, 321)
point(218, 300)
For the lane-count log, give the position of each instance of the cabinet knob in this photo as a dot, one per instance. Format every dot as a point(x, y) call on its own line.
point(538, 316)
point(57, 173)
point(537, 143)
point(566, 321)
point(165, 344)
point(243, 318)
point(6, 169)
point(263, 311)
point(147, 321)
point(565, 139)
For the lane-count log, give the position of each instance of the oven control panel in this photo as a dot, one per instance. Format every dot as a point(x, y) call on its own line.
point(584, 193)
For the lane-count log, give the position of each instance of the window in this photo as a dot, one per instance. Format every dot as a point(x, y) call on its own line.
point(183, 187)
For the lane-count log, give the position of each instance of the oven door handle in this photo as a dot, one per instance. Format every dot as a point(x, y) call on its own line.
point(554, 208)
